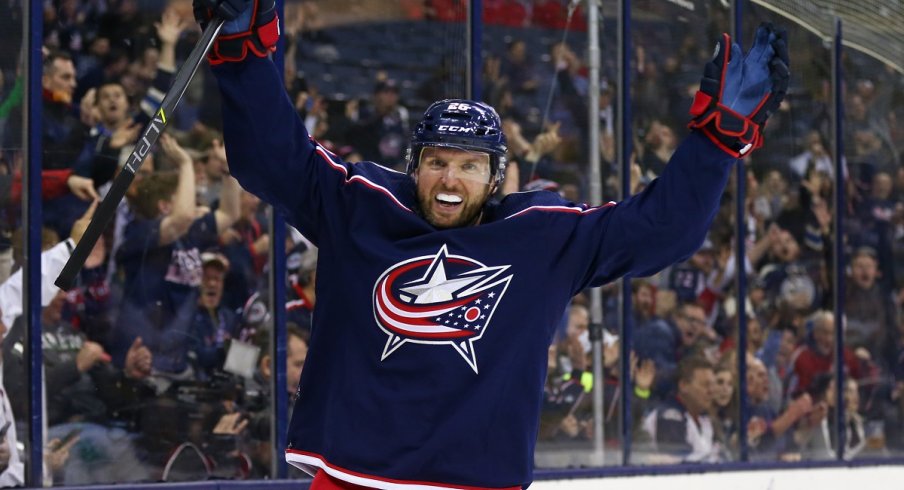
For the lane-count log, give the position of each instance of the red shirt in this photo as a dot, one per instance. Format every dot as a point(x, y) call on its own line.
point(809, 364)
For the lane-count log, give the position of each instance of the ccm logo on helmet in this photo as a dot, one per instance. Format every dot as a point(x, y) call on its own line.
point(455, 129)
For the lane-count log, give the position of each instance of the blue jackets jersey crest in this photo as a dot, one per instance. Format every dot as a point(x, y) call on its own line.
point(429, 346)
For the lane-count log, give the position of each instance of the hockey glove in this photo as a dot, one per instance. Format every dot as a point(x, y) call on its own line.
point(252, 26)
point(737, 95)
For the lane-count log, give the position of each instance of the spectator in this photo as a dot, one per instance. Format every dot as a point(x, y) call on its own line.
point(53, 257)
point(63, 137)
point(575, 346)
point(667, 341)
point(680, 429)
point(789, 279)
point(689, 279)
point(643, 299)
point(12, 470)
point(818, 440)
point(259, 388)
point(814, 158)
point(771, 198)
point(115, 128)
point(726, 409)
point(817, 356)
point(382, 130)
point(868, 308)
point(125, 26)
point(875, 225)
point(643, 376)
point(533, 156)
point(216, 171)
point(246, 245)
point(659, 144)
point(214, 324)
point(569, 108)
point(87, 395)
point(518, 69)
point(302, 295)
point(768, 429)
point(81, 386)
point(564, 398)
point(160, 255)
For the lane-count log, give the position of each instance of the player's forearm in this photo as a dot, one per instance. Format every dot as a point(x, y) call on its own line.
point(676, 210)
point(268, 147)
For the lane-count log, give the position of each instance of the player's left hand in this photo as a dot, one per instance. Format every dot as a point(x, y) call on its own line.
point(737, 95)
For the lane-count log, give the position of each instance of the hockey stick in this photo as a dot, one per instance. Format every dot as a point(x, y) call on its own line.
point(149, 136)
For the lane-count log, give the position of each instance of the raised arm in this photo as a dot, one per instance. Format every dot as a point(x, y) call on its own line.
point(169, 29)
point(269, 151)
point(668, 221)
point(177, 223)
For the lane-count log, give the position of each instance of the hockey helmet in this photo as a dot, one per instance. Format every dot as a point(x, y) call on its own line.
point(462, 124)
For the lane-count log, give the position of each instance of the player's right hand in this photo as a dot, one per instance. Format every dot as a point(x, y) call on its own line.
point(251, 27)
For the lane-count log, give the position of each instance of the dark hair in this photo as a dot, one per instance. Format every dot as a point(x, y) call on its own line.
point(688, 366)
point(293, 330)
point(684, 305)
point(53, 56)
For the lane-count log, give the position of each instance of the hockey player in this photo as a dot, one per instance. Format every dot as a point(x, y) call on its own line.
point(436, 304)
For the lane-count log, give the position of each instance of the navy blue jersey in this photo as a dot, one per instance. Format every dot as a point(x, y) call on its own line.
point(429, 346)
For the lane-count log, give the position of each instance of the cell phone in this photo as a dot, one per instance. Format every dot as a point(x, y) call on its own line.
point(4, 429)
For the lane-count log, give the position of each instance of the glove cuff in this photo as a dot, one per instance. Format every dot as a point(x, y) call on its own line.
point(734, 133)
point(260, 41)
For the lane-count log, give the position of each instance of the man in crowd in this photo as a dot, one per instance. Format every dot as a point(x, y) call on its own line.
point(817, 356)
point(161, 257)
point(680, 429)
point(12, 469)
point(213, 324)
point(666, 342)
point(869, 308)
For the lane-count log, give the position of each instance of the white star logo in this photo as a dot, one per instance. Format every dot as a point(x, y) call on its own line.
point(437, 288)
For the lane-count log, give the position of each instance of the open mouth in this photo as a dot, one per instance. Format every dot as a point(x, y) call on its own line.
point(448, 201)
